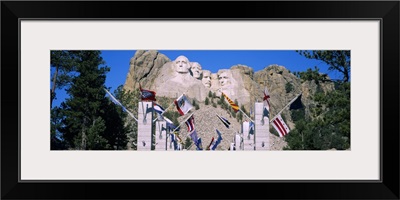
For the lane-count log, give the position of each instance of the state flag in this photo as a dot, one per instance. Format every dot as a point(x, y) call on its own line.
point(233, 105)
point(190, 124)
point(280, 126)
point(147, 95)
point(214, 146)
point(183, 105)
point(224, 121)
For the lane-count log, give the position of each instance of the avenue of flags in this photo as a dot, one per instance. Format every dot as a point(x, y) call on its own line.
point(183, 107)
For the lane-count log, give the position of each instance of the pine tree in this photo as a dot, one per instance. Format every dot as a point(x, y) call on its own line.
point(207, 101)
point(130, 100)
point(63, 62)
point(210, 94)
point(329, 126)
point(90, 121)
point(56, 140)
point(337, 60)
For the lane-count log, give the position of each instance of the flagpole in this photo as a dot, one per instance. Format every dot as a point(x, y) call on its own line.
point(286, 106)
point(246, 115)
point(121, 105)
point(167, 108)
point(182, 122)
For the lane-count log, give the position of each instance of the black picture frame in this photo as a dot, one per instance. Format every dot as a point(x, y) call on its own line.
point(386, 11)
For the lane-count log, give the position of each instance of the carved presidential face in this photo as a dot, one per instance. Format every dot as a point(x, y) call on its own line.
point(182, 64)
point(206, 80)
point(196, 70)
point(224, 78)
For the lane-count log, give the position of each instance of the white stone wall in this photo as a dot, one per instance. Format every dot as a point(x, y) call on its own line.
point(248, 140)
point(261, 129)
point(238, 143)
point(231, 146)
point(144, 128)
point(170, 145)
point(161, 136)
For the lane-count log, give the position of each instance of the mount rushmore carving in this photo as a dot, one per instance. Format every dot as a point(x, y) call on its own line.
point(183, 76)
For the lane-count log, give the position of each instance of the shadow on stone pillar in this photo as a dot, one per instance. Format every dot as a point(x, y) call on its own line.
point(145, 118)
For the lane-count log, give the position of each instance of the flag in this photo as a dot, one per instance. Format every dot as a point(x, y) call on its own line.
point(183, 105)
point(172, 137)
point(158, 108)
point(190, 124)
point(174, 140)
point(296, 104)
point(168, 121)
point(224, 121)
point(170, 125)
point(266, 104)
point(266, 98)
point(199, 144)
point(147, 95)
point(113, 99)
point(280, 126)
point(234, 106)
point(218, 140)
point(179, 139)
point(212, 140)
point(251, 128)
point(193, 136)
point(265, 112)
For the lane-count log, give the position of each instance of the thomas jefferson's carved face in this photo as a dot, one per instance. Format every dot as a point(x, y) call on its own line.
point(206, 78)
point(182, 64)
point(196, 70)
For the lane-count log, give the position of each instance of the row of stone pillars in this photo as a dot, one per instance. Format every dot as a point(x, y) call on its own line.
point(260, 139)
point(243, 141)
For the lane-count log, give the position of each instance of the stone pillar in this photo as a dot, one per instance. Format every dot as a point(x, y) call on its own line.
point(170, 144)
point(238, 142)
point(145, 120)
point(231, 146)
point(248, 139)
point(161, 136)
point(261, 128)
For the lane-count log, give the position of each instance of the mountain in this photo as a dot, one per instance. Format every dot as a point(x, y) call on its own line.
point(171, 77)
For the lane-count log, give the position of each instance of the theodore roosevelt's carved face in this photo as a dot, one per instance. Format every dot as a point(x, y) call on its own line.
point(206, 80)
point(196, 70)
point(182, 64)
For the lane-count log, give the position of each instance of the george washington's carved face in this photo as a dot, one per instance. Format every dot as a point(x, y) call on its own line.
point(182, 64)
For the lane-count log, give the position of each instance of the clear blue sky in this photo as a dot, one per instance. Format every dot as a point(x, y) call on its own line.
point(118, 61)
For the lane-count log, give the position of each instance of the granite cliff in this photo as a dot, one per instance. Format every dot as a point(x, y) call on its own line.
point(170, 77)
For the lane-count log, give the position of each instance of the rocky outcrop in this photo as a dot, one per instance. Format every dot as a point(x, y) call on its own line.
point(144, 67)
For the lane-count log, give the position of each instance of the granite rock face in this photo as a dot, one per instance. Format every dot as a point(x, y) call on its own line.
point(171, 77)
point(144, 67)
